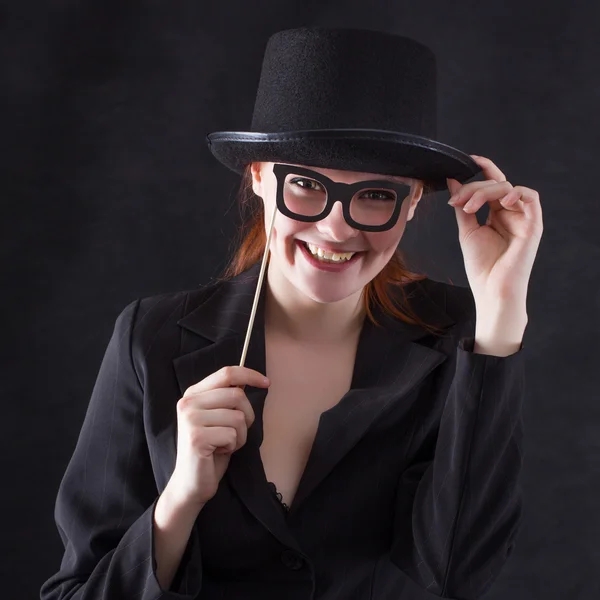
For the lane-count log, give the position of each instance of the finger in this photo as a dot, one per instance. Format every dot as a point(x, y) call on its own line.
point(466, 222)
point(225, 417)
point(218, 416)
point(489, 169)
point(453, 185)
point(521, 199)
point(531, 205)
point(230, 398)
point(220, 439)
point(477, 193)
point(232, 375)
point(512, 201)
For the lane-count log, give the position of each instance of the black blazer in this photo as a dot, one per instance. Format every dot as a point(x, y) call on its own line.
point(411, 489)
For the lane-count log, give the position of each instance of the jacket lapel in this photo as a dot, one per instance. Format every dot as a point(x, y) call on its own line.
point(220, 324)
point(389, 364)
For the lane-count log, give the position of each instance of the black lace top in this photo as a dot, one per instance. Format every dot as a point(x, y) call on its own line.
point(278, 495)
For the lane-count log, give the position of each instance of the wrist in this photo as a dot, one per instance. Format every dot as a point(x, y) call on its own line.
point(173, 501)
point(500, 333)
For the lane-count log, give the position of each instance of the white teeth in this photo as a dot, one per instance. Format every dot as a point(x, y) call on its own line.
point(333, 256)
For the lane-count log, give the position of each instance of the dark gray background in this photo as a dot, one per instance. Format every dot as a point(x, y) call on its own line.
point(109, 193)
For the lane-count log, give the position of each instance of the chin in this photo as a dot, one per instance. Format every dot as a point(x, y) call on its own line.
point(326, 292)
point(321, 298)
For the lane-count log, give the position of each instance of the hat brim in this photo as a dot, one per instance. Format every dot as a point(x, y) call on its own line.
point(361, 150)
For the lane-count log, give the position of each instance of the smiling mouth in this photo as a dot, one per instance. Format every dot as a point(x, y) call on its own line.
point(308, 245)
point(342, 260)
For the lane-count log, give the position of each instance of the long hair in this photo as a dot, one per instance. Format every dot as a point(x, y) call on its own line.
point(249, 247)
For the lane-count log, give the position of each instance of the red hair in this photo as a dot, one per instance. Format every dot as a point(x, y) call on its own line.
point(249, 247)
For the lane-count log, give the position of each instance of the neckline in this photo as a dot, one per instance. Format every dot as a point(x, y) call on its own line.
point(278, 495)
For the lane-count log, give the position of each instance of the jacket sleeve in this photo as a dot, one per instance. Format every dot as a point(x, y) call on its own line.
point(105, 505)
point(459, 501)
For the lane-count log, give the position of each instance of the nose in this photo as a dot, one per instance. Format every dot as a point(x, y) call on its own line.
point(334, 225)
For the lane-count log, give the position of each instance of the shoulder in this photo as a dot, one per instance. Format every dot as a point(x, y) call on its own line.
point(455, 301)
point(459, 301)
point(148, 317)
point(160, 309)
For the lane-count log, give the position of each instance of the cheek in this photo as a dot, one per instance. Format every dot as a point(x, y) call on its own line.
point(385, 242)
point(282, 245)
point(283, 238)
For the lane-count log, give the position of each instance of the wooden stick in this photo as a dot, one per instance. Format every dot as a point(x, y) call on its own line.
point(258, 288)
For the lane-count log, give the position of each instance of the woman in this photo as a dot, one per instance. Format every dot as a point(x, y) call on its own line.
point(382, 454)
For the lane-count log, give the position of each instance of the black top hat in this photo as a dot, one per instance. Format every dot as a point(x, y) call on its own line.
point(351, 99)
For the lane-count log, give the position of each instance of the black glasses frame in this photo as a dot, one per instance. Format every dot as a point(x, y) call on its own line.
point(339, 192)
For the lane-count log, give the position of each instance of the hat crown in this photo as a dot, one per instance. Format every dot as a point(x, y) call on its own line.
point(351, 99)
point(334, 78)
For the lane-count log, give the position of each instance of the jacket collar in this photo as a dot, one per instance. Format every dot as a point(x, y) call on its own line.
point(226, 312)
point(390, 363)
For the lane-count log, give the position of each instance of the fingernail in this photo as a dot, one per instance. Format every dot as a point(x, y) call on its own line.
point(452, 201)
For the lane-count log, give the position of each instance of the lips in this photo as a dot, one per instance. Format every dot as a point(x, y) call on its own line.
point(331, 249)
point(327, 266)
